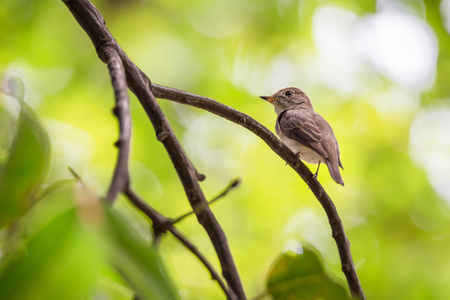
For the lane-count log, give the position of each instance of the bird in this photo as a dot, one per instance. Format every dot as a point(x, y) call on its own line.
point(305, 132)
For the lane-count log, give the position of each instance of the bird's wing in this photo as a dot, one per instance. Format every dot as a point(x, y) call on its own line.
point(339, 155)
point(329, 141)
point(299, 125)
point(330, 144)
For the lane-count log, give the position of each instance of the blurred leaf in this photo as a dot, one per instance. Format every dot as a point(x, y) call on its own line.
point(7, 126)
point(57, 185)
point(138, 263)
point(61, 262)
point(15, 87)
point(25, 167)
point(301, 276)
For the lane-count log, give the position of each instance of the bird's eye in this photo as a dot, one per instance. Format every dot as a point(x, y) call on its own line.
point(289, 93)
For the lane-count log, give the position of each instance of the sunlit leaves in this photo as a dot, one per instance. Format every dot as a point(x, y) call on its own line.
point(302, 277)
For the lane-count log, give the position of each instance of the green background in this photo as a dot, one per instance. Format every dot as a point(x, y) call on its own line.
point(376, 70)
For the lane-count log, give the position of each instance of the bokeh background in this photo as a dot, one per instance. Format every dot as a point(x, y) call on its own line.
point(376, 70)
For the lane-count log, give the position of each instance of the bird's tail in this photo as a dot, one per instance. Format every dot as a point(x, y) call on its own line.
point(334, 172)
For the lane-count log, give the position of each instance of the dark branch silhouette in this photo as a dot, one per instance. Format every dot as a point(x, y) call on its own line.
point(91, 20)
point(93, 23)
point(289, 157)
point(122, 110)
point(162, 224)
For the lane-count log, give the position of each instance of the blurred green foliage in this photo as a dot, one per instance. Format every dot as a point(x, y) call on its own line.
point(301, 276)
point(27, 162)
point(372, 81)
point(59, 248)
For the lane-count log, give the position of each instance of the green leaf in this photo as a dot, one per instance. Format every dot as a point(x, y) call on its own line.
point(56, 186)
point(61, 261)
point(25, 167)
point(302, 277)
point(137, 262)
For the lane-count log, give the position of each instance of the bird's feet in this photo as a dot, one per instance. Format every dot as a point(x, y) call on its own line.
point(314, 176)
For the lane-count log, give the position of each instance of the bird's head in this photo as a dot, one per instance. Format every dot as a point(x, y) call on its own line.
point(288, 98)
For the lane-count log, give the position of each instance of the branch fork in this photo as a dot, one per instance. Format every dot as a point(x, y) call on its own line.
point(125, 74)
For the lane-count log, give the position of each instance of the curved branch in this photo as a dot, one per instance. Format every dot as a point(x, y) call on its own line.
point(91, 20)
point(290, 158)
point(159, 221)
point(122, 111)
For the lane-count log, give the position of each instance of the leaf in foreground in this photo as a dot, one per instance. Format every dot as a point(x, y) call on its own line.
point(25, 167)
point(138, 263)
point(61, 261)
point(302, 277)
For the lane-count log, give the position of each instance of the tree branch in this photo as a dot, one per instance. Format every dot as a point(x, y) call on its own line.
point(233, 184)
point(93, 24)
point(122, 111)
point(290, 158)
point(189, 178)
point(162, 223)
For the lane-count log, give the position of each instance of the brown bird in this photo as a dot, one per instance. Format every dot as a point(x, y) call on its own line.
point(304, 131)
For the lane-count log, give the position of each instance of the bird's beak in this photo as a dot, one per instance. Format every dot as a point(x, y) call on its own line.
point(269, 99)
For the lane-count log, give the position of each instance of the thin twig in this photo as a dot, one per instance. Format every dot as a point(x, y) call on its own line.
point(91, 20)
point(233, 184)
point(122, 111)
point(290, 158)
point(76, 176)
point(162, 223)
